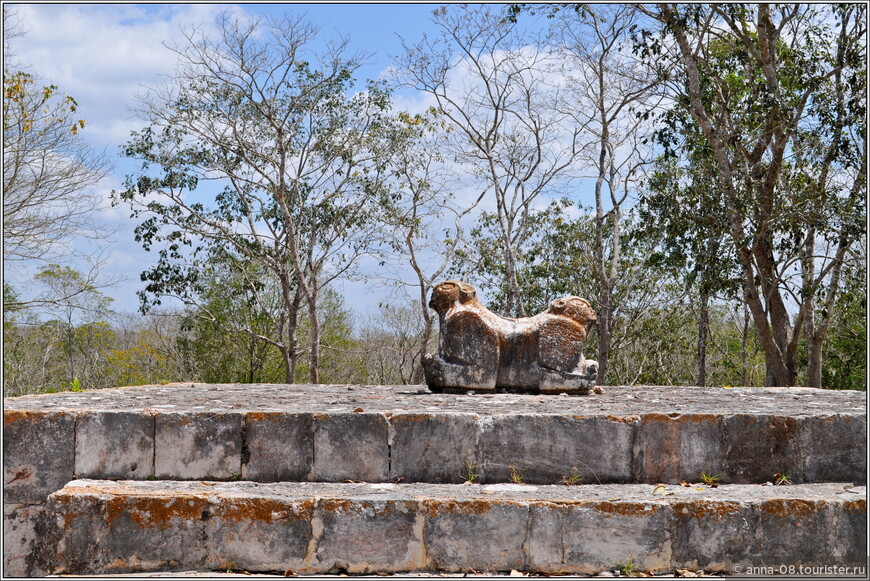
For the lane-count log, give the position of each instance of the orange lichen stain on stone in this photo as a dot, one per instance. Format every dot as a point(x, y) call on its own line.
point(14, 416)
point(678, 418)
point(413, 417)
point(700, 418)
point(783, 426)
point(433, 508)
point(706, 510)
point(859, 505)
point(792, 507)
point(265, 510)
point(623, 419)
point(69, 514)
point(365, 507)
point(185, 420)
point(658, 418)
point(337, 505)
point(156, 511)
point(625, 508)
point(264, 416)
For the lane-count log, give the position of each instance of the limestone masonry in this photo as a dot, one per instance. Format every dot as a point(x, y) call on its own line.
point(113, 461)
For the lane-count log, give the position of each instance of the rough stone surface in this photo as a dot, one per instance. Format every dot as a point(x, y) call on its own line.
point(136, 525)
point(29, 537)
point(259, 532)
point(827, 444)
point(375, 433)
point(114, 445)
point(198, 445)
point(476, 533)
point(431, 447)
point(479, 350)
point(618, 401)
point(542, 449)
point(594, 536)
point(38, 453)
point(381, 433)
point(671, 449)
point(365, 535)
point(352, 446)
point(279, 446)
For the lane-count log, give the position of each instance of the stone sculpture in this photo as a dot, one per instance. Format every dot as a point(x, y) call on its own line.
point(482, 351)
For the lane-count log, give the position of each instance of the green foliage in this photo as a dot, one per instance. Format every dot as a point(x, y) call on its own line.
point(709, 479)
point(845, 351)
point(554, 259)
point(469, 476)
point(627, 568)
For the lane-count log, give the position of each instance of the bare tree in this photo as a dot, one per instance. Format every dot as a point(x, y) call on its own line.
point(425, 219)
point(49, 172)
point(611, 97)
point(495, 91)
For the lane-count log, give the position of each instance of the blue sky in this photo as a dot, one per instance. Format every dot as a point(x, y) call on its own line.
point(102, 53)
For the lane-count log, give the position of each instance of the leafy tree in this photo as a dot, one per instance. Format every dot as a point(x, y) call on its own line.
point(845, 351)
point(301, 164)
point(391, 343)
point(759, 81)
point(75, 301)
point(681, 210)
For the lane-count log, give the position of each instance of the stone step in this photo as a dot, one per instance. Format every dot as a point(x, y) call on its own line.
point(330, 433)
point(137, 526)
point(270, 433)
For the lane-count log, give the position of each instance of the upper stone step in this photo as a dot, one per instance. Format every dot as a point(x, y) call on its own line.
point(135, 526)
point(270, 433)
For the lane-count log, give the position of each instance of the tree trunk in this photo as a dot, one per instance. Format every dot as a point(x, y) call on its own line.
point(514, 304)
point(314, 359)
point(703, 332)
point(418, 376)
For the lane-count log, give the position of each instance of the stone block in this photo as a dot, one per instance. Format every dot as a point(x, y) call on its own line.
point(260, 533)
point(475, 534)
point(29, 536)
point(115, 533)
point(368, 536)
point(671, 448)
point(792, 531)
point(543, 449)
point(38, 454)
point(351, 446)
point(113, 444)
point(589, 537)
point(198, 446)
point(851, 542)
point(713, 535)
point(757, 446)
point(433, 447)
point(834, 448)
point(279, 446)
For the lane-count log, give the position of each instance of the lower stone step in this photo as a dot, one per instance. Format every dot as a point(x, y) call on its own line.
point(133, 526)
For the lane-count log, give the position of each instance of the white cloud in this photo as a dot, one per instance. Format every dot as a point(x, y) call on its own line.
point(101, 54)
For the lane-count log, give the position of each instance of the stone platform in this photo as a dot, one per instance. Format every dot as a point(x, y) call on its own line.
point(319, 436)
point(364, 528)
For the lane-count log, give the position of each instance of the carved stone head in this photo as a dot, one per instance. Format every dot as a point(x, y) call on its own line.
point(449, 294)
point(574, 308)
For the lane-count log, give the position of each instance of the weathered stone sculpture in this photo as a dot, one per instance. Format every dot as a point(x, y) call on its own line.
point(482, 351)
